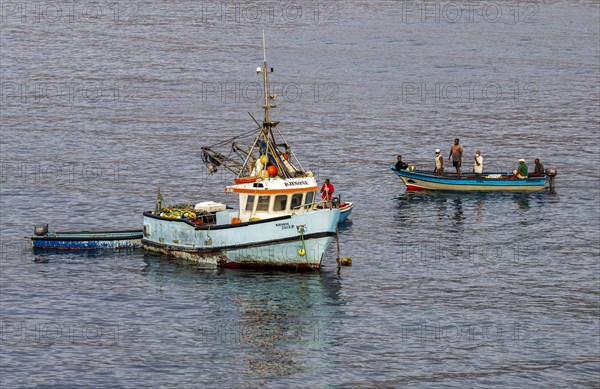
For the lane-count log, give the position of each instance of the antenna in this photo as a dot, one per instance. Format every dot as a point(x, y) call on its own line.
point(267, 121)
point(264, 48)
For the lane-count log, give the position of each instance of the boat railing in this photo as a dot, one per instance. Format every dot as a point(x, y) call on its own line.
point(321, 204)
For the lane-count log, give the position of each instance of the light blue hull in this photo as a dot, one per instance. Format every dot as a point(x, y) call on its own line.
point(296, 241)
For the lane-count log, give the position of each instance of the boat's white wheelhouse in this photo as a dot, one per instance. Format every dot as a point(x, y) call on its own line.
point(271, 198)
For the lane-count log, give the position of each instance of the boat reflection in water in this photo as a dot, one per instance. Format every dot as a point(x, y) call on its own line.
point(262, 323)
point(120, 258)
point(495, 202)
point(454, 213)
point(471, 237)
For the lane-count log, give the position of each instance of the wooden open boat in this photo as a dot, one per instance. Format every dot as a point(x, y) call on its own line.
point(490, 181)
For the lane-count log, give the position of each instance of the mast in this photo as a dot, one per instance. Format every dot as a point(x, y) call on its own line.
point(264, 141)
point(267, 127)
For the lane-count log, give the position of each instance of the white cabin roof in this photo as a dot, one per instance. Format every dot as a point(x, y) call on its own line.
point(275, 185)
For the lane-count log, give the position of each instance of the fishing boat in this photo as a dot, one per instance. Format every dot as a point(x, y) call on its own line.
point(489, 181)
point(279, 222)
point(85, 240)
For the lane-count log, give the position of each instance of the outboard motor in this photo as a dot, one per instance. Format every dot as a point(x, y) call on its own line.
point(551, 173)
point(41, 230)
point(335, 202)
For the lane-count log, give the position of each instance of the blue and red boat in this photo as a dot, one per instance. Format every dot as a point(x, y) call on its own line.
point(345, 210)
point(489, 181)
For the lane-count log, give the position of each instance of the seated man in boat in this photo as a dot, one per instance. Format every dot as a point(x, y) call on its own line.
point(439, 163)
point(401, 165)
point(521, 171)
point(539, 168)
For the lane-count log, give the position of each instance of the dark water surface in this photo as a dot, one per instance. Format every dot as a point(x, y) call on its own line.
point(103, 101)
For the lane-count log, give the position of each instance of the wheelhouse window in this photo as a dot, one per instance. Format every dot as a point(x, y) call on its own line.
point(296, 200)
point(250, 203)
point(280, 203)
point(263, 203)
point(310, 196)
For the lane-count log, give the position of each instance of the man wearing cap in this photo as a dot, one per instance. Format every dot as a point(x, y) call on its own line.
point(456, 152)
point(439, 163)
point(522, 171)
point(478, 165)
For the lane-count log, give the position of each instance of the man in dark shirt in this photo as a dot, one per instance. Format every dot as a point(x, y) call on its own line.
point(539, 168)
point(400, 165)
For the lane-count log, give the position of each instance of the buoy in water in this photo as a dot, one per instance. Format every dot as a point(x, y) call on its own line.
point(301, 252)
point(346, 261)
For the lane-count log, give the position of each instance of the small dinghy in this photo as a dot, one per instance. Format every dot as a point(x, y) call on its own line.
point(85, 240)
point(345, 210)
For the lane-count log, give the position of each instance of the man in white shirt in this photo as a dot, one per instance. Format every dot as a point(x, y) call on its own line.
point(478, 165)
point(439, 163)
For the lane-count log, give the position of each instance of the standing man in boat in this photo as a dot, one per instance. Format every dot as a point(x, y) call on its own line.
point(456, 152)
point(439, 163)
point(478, 165)
point(327, 190)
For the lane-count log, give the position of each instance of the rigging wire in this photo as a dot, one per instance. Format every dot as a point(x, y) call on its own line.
point(234, 138)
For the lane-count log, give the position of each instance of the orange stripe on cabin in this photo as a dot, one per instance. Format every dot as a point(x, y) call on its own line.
point(274, 191)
